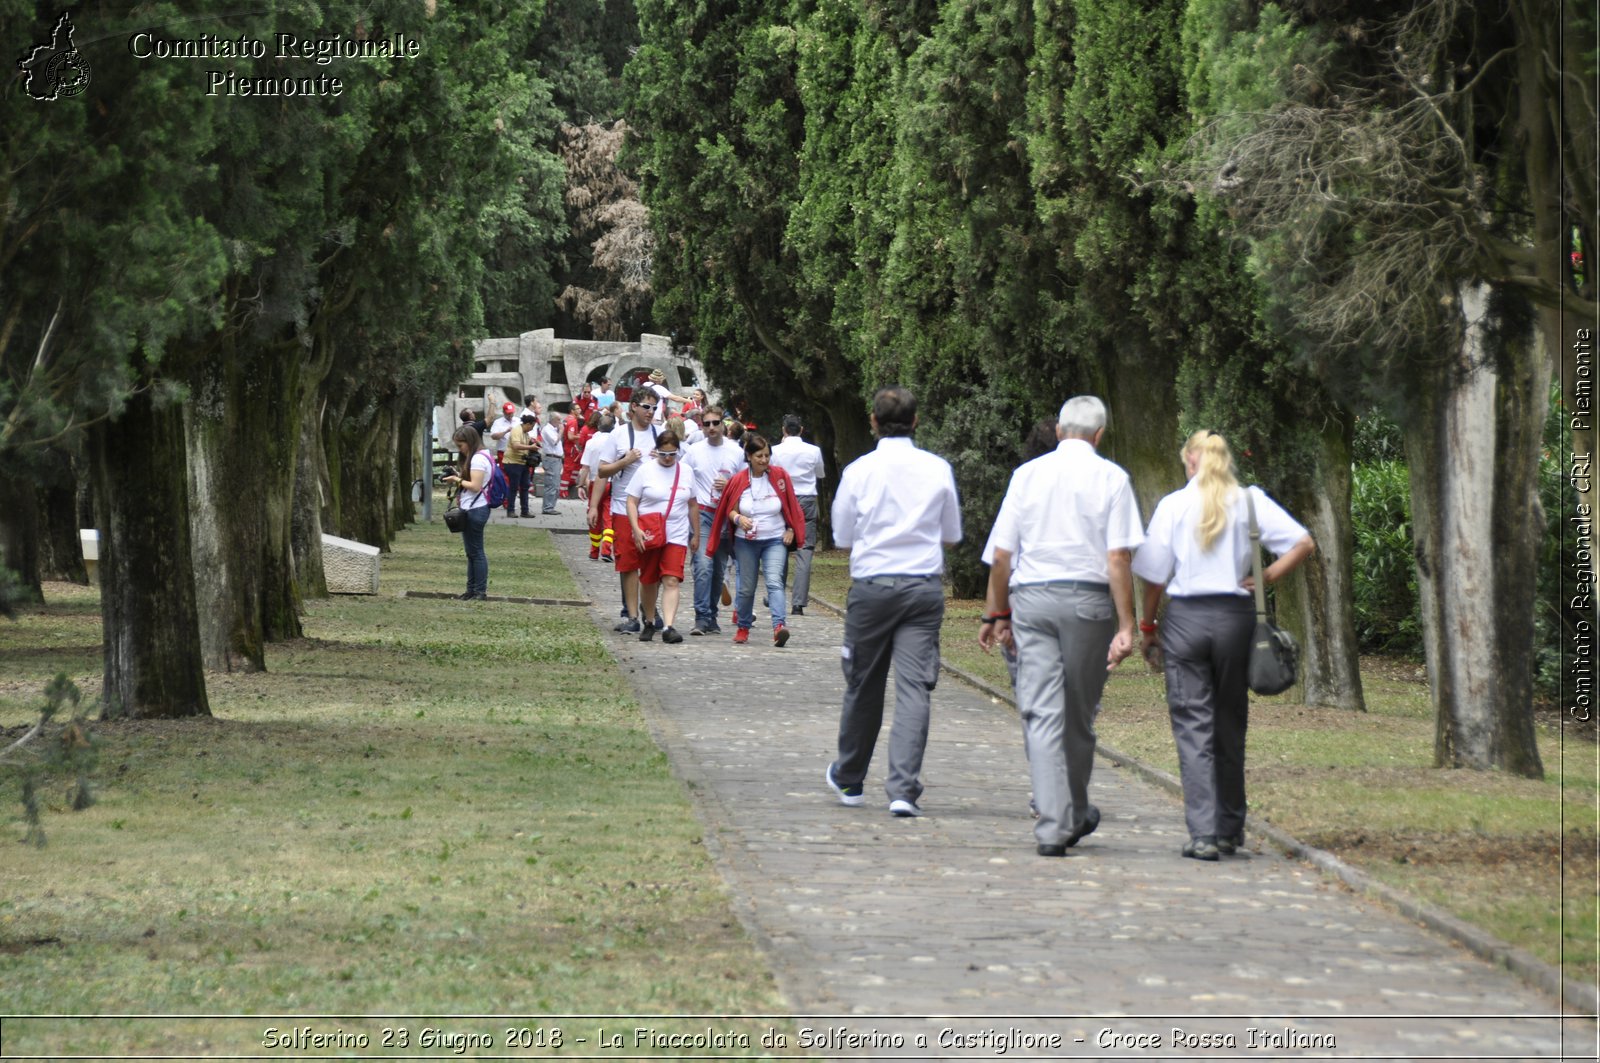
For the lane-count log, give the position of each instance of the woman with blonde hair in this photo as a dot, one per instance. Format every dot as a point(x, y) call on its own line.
point(1197, 550)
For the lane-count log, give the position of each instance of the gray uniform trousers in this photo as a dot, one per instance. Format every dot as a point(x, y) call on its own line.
point(1206, 643)
point(802, 557)
point(889, 619)
point(1062, 632)
point(550, 465)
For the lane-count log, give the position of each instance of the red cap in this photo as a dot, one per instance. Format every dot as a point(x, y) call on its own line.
point(509, 407)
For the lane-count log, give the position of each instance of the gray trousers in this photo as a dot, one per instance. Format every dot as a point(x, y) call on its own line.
point(889, 619)
point(1062, 635)
point(1206, 642)
point(551, 468)
point(802, 557)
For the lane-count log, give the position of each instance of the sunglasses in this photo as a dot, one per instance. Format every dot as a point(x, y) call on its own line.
point(645, 405)
point(670, 455)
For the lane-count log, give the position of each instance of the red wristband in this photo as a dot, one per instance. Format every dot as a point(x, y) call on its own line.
point(1146, 627)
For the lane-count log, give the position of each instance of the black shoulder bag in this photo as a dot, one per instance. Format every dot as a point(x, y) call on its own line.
point(1274, 654)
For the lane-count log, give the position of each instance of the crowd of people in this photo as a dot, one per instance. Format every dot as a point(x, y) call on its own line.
point(698, 494)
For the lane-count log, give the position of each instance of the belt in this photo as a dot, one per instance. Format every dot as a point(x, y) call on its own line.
point(1071, 585)
point(895, 581)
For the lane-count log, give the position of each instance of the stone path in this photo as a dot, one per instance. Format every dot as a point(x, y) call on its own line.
point(950, 928)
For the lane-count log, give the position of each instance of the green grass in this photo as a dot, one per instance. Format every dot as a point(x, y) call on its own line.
point(1513, 856)
point(425, 806)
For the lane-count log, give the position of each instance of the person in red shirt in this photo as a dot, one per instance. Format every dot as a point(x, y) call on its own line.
point(586, 403)
point(571, 452)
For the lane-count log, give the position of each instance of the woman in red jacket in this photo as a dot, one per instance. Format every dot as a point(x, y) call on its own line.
point(760, 510)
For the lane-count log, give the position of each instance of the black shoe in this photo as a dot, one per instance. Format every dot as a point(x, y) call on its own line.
point(1086, 828)
point(1201, 848)
point(671, 636)
point(467, 597)
point(627, 627)
point(798, 610)
point(648, 633)
point(1052, 850)
point(1229, 844)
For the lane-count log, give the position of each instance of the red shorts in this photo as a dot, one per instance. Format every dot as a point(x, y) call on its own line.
point(666, 561)
point(625, 553)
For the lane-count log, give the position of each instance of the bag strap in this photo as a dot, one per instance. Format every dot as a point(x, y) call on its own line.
point(1255, 557)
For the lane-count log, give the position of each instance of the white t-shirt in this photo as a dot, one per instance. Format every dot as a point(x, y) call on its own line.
point(1171, 553)
point(470, 499)
point(619, 442)
point(662, 391)
point(802, 461)
point(503, 426)
point(760, 500)
point(652, 486)
point(711, 462)
point(591, 455)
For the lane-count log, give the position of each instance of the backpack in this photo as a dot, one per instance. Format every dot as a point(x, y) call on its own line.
point(498, 489)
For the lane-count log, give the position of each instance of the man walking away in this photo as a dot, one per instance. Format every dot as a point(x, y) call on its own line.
point(803, 462)
point(895, 511)
point(714, 460)
point(1061, 578)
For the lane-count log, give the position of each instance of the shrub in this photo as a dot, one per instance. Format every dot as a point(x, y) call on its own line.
point(1385, 574)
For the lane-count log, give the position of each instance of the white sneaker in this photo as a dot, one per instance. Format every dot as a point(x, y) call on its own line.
point(903, 808)
point(848, 795)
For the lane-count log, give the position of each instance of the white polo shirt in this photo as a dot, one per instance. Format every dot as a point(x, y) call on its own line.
point(802, 461)
point(1062, 512)
point(895, 509)
point(1171, 553)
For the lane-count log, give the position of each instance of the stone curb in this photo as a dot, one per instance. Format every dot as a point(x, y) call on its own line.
point(1529, 968)
point(514, 599)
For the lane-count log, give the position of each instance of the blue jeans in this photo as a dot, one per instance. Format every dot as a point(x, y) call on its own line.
point(708, 575)
point(771, 556)
point(472, 540)
point(517, 477)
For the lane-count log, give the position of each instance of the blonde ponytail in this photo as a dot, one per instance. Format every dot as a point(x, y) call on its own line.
point(1214, 477)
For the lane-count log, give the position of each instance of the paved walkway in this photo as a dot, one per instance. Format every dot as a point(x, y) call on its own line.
point(951, 928)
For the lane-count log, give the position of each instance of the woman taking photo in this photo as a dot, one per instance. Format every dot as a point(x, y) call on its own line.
point(760, 507)
point(1198, 551)
point(663, 487)
point(473, 493)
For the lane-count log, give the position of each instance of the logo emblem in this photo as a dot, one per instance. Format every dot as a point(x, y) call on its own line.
point(56, 69)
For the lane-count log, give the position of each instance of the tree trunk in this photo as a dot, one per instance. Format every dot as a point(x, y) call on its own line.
point(1319, 599)
point(60, 546)
point(153, 667)
point(1141, 397)
point(306, 523)
point(19, 532)
point(1472, 443)
point(242, 433)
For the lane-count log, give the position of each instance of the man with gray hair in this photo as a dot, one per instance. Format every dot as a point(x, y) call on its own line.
point(1061, 584)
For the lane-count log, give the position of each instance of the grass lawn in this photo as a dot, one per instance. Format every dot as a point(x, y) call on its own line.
point(1513, 856)
point(421, 808)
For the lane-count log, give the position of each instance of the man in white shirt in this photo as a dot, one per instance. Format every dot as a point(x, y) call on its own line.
point(664, 396)
point(500, 431)
point(591, 486)
point(896, 510)
point(715, 460)
point(631, 442)
point(803, 462)
point(1071, 522)
point(550, 461)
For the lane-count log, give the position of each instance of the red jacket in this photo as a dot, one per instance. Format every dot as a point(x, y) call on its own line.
point(729, 505)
